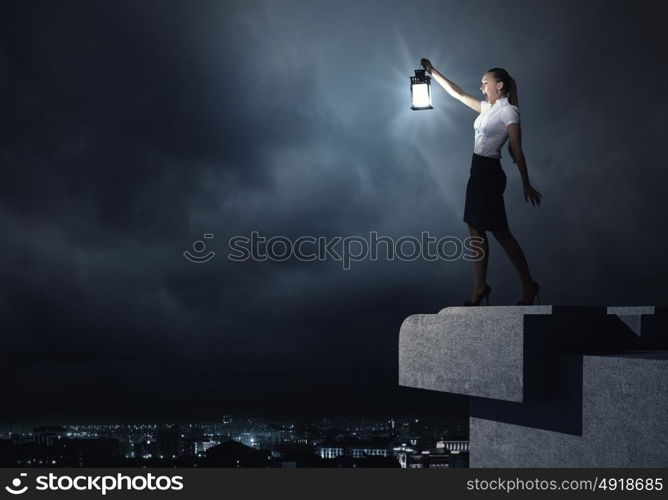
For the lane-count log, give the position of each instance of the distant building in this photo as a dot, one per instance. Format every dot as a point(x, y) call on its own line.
point(47, 434)
point(147, 448)
point(171, 442)
point(369, 450)
point(66, 452)
point(202, 446)
point(355, 449)
point(331, 450)
point(453, 445)
point(269, 438)
point(234, 454)
point(435, 460)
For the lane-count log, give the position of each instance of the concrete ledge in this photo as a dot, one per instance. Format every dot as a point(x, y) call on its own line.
point(464, 354)
point(497, 311)
point(508, 352)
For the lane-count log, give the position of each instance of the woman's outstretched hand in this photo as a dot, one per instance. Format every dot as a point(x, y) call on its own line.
point(427, 64)
point(531, 194)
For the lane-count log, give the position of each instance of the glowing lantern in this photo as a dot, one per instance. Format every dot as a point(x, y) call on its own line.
point(421, 90)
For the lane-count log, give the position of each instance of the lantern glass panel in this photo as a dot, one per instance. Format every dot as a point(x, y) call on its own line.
point(421, 96)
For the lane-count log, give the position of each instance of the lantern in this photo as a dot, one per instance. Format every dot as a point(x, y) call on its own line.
point(421, 90)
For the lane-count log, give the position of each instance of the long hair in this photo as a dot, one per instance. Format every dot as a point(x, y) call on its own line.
point(510, 88)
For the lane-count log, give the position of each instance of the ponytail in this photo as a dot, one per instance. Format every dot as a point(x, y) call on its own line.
point(512, 99)
point(512, 92)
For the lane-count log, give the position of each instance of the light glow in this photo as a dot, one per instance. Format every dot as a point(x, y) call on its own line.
point(421, 96)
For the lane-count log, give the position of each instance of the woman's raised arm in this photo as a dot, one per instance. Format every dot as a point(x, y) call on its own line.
point(452, 88)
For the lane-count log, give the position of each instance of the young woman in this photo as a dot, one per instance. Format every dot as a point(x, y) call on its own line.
point(498, 120)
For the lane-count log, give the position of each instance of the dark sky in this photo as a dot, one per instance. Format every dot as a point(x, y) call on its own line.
point(129, 129)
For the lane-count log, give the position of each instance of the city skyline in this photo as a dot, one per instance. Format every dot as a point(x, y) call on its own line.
point(244, 441)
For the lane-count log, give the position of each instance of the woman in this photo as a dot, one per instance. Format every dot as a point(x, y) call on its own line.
point(498, 120)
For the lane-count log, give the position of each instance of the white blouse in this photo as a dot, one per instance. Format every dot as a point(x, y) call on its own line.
point(491, 126)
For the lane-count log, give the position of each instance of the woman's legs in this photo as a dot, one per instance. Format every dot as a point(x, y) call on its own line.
point(481, 257)
point(516, 255)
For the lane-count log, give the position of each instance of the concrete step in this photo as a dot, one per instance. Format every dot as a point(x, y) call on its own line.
point(508, 352)
point(616, 417)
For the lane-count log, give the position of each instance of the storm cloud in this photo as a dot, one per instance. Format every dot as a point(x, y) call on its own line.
point(130, 129)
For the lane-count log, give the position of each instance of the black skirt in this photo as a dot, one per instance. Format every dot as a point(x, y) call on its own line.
point(485, 209)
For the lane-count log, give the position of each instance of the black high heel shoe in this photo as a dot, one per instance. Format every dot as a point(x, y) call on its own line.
point(483, 295)
point(535, 293)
